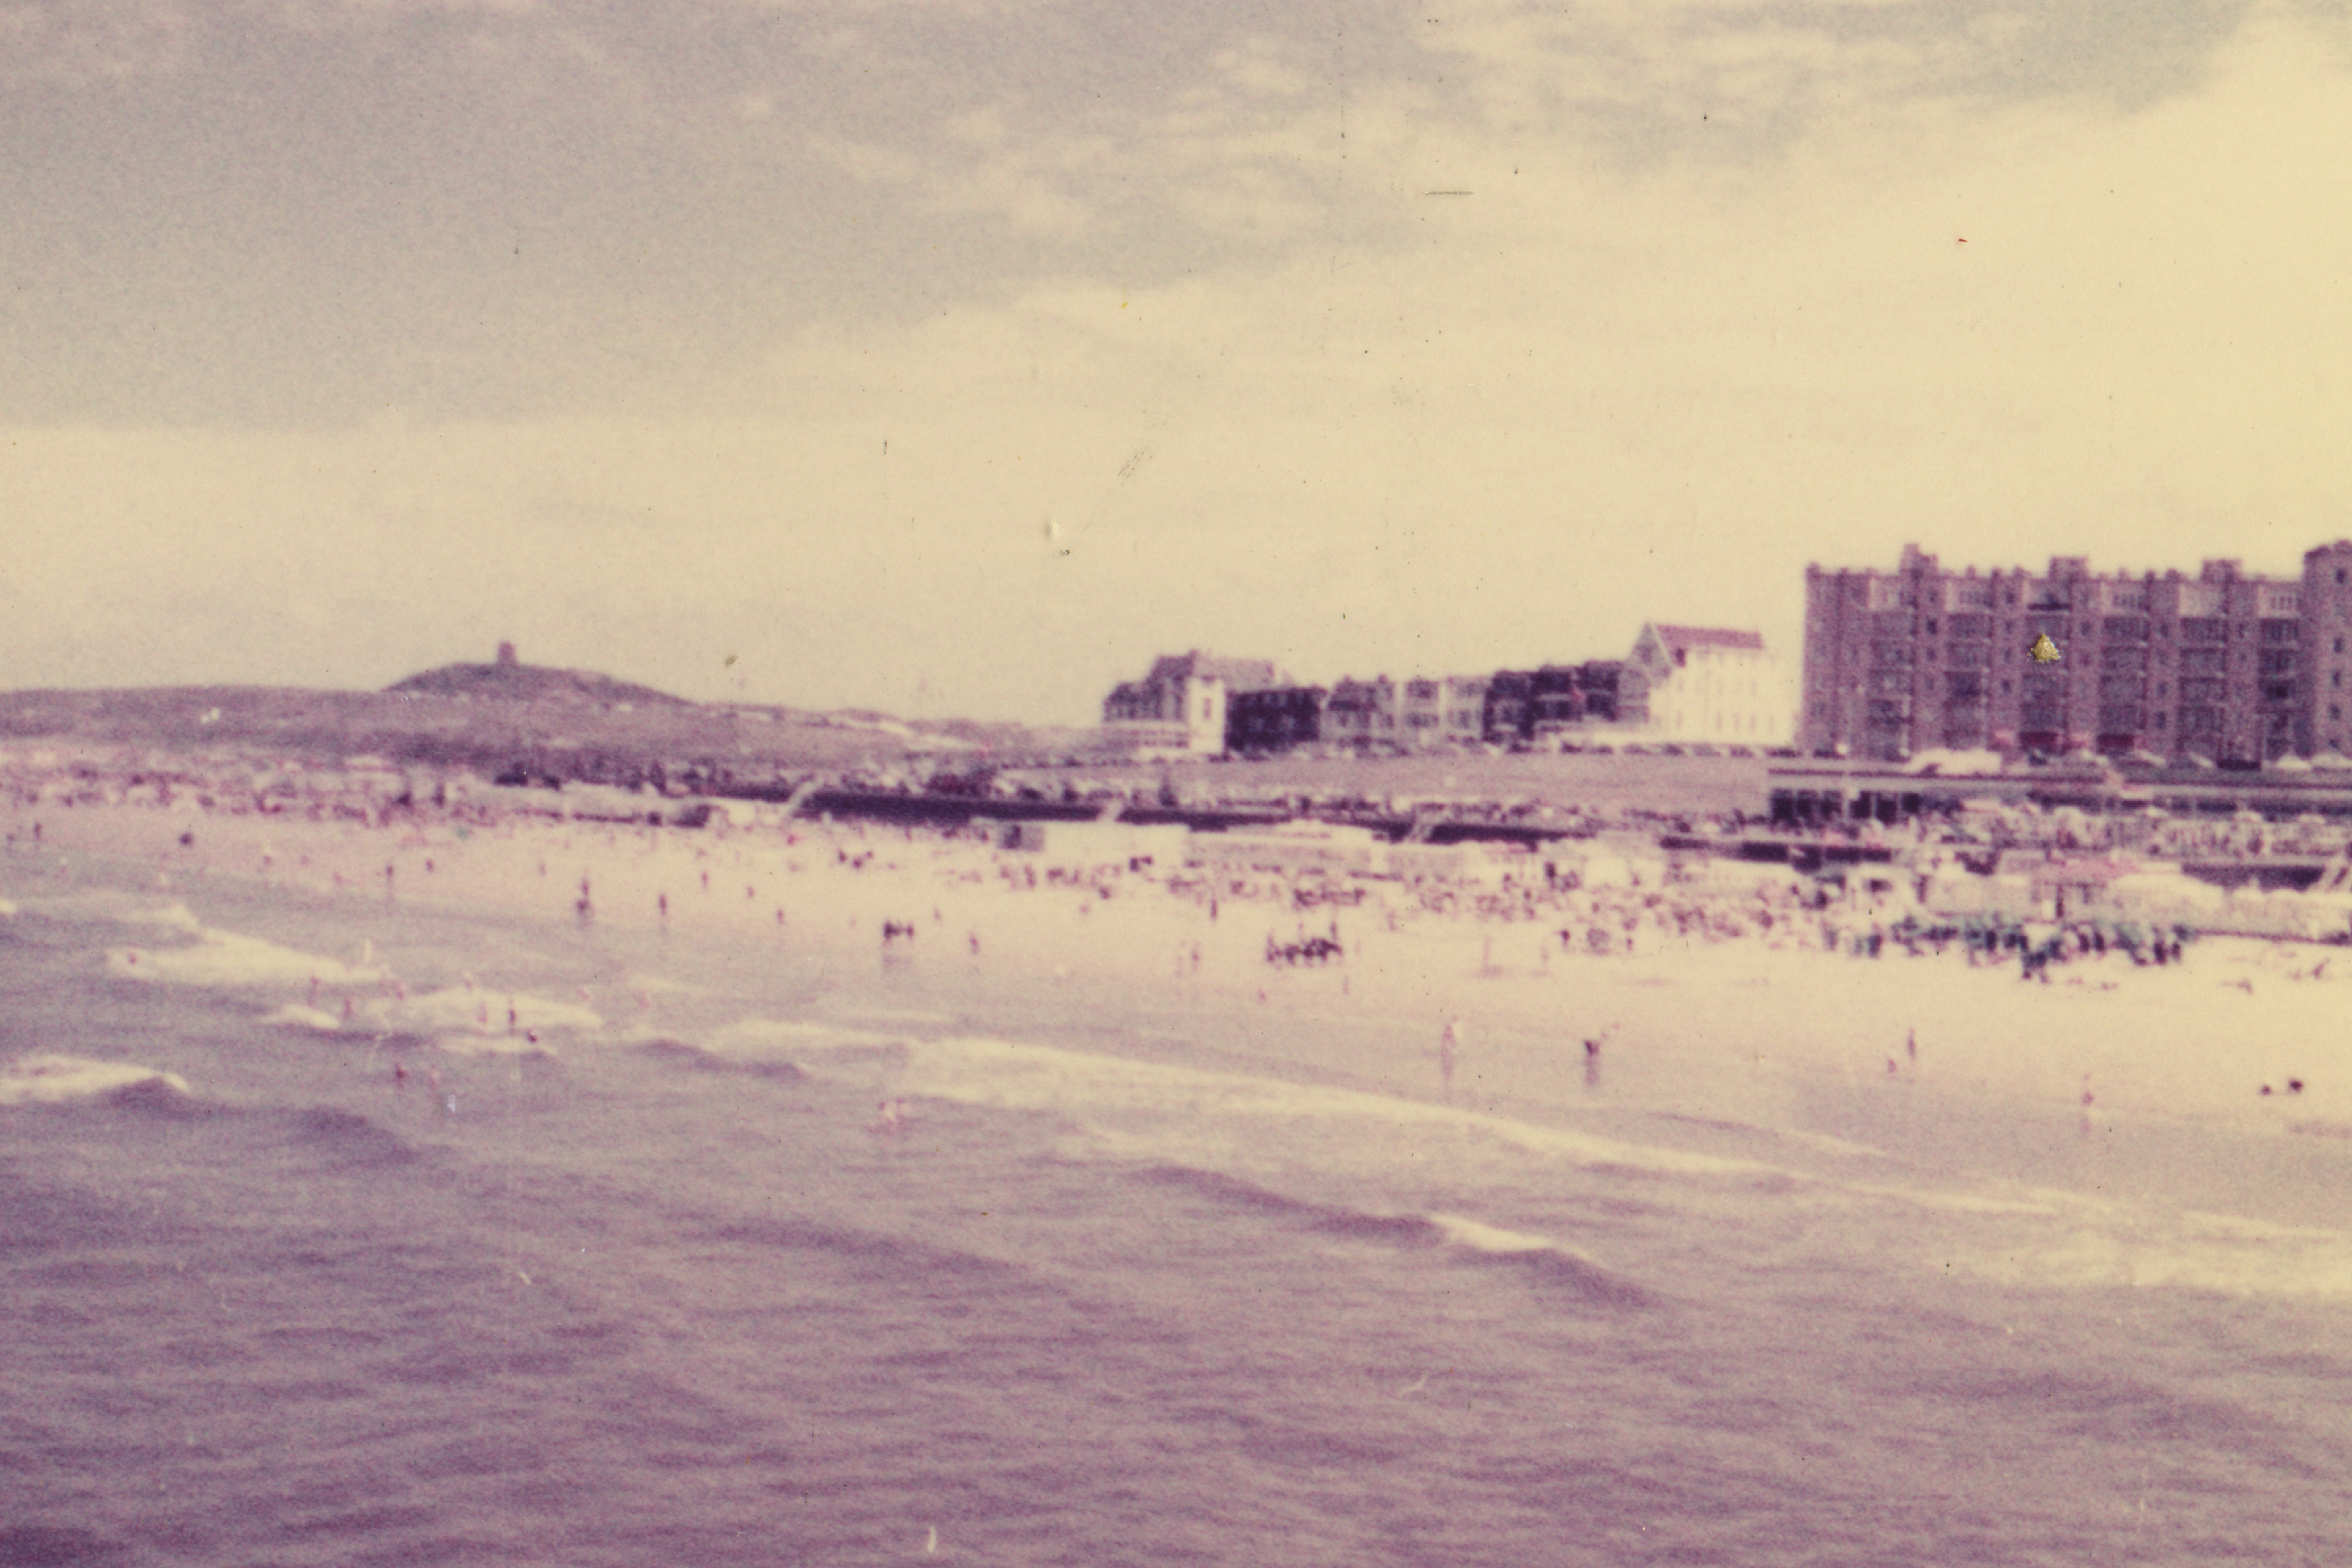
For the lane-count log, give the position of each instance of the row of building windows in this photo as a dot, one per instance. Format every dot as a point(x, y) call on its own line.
point(2115, 629)
point(1895, 657)
point(1888, 593)
point(2199, 631)
point(1969, 686)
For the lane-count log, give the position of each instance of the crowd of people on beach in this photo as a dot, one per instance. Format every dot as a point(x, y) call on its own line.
point(1586, 903)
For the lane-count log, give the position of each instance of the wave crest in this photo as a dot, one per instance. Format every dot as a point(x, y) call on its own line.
point(54, 1078)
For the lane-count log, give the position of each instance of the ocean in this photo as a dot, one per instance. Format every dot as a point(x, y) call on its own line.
point(796, 1256)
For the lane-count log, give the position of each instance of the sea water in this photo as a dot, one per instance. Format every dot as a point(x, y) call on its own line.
point(763, 1255)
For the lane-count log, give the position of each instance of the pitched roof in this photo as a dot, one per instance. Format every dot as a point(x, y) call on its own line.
point(1238, 674)
point(1677, 638)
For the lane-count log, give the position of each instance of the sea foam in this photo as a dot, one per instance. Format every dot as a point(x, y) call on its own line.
point(2203, 1257)
point(481, 1011)
point(475, 1045)
point(294, 1015)
point(50, 1078)
point(753, 1038)
point(1015, 1075)
point(219, 958)
point(117, 908)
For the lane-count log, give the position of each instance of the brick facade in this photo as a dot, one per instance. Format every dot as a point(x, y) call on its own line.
point(2226, 666)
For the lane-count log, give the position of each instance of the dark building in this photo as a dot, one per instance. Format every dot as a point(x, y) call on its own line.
point(1522, 704)
point(1274, 719)
point(1599, 679)
point(1363, 714)
point(1510, 697)
point(1555, 700)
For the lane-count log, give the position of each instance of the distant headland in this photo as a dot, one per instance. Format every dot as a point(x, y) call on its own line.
point(512, 680)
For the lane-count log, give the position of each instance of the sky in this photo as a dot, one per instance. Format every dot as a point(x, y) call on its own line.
point(957, 357)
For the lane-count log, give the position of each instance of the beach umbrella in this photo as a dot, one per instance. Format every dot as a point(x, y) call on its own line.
point(2332, 762)
point(2290, 764)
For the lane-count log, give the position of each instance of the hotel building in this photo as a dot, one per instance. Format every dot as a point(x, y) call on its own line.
point(2225, 665)
point(1183, 705)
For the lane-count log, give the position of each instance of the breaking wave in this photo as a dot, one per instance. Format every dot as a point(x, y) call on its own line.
point(224, 959)
point(52, 1078)
point(1469, 1242)
point(480, 1011)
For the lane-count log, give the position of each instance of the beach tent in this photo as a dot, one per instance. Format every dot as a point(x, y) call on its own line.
point(2154, 893)
point(1606, 871)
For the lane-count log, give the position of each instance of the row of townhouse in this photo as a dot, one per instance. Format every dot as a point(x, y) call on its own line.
point(1680, 683)
point(2227, 666)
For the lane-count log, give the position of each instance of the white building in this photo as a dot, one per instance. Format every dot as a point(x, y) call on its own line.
point(1703, 685)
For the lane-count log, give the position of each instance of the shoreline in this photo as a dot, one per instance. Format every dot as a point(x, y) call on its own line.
point(1802, 1042)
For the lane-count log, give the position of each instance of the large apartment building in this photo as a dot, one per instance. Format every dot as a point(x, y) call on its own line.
point(2225, 665)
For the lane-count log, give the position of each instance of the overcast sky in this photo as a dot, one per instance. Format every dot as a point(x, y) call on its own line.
point(956, 356)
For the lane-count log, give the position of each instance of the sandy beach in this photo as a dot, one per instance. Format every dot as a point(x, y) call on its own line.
point(1777, 1032)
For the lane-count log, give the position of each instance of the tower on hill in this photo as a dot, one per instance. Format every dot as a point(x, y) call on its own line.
point(507, 655)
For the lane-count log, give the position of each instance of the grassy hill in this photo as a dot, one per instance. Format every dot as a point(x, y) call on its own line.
point(492, 719)
point(532, 683)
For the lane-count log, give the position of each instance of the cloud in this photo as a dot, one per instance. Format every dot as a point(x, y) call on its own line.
point(1732, 286)
point(77, 42)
